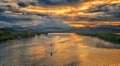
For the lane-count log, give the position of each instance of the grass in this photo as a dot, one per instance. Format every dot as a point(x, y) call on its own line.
point(10, 35)
point(111, 37)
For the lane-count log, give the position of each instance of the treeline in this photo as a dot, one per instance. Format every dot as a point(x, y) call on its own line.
point(10, 34)
point(111, 37)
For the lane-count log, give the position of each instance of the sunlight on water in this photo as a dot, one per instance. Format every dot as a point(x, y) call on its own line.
point(59, 49)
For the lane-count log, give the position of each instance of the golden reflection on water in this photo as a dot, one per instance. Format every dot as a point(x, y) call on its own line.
point(72, 49)
point(64, 49)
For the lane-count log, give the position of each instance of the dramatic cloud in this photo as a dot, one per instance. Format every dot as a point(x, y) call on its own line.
point(14, 19)
point(107, 11)
point(48, 3)
point(106, 8)
point(35, 22)
point(103, 12)
point(35, 12)
point(58, 2)
point(23, 4)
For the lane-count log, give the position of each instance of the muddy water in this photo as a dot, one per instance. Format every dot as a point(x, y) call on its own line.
point(59, 49)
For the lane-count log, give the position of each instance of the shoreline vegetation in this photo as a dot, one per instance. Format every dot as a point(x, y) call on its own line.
point(6, 35)
point(110, 37)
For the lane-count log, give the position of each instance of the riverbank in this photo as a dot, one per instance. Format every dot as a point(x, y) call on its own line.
point(11, 34)
point(111, 37)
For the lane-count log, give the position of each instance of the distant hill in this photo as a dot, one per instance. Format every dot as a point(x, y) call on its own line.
point(102, 28)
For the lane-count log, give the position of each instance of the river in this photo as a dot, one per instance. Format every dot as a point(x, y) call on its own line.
point(59, 49)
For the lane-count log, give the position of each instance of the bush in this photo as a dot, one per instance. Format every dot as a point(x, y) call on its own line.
point(10, 35)
point(105, 36)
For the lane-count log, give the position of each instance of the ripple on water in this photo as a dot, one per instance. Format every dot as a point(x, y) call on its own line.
point(64, 49)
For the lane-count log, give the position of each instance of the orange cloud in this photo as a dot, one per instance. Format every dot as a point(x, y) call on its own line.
point(70, 10)
point(91, 24)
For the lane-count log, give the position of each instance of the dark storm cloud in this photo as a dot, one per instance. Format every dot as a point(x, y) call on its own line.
point(50, 2)
point(7, 18)
point(58, 2)
point(106, 8)
point(22, 4)
point(106, 12)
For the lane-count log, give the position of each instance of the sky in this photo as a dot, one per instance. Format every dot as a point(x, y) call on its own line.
point(77, 13)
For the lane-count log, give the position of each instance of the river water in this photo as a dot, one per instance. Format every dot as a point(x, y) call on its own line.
point(59, 49)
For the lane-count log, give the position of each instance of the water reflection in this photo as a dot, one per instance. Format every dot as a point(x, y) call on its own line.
point(66, 49)
point(96, 42)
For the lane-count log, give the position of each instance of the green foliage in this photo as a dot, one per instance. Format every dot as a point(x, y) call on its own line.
point(10, 35)
point(105, 36)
